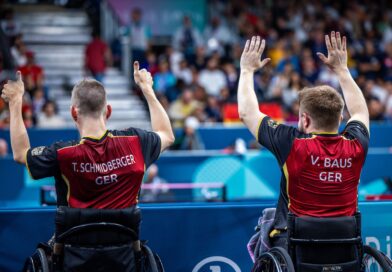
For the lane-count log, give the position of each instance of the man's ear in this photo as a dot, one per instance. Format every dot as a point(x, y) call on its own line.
point(74, 113)
point(306, 120)
point(108, 111)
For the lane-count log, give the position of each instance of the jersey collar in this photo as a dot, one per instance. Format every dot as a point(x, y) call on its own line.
point(325, 134)
point(97, 140)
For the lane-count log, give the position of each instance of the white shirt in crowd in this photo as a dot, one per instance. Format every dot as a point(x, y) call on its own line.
point(213, 81)
point(54, 121)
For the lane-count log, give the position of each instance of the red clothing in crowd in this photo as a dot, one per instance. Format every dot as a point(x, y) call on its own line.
point(95, 56)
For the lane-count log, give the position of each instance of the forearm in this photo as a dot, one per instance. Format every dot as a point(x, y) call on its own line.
point(248, 106)
point(160, 121)
point(19, 139)
point(355, 101)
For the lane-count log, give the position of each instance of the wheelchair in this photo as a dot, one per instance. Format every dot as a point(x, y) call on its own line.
point(95, 240)
point(323, 244)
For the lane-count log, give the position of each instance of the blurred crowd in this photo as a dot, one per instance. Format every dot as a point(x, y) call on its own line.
point(37, 110)
point(196, 75)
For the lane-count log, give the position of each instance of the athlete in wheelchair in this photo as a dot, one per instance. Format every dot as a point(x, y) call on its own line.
point(97, 180)
point(316, 226)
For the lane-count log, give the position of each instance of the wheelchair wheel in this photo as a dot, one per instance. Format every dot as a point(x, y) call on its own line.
point(285, 262)
point(43, 260)
point(371, 254)
point(267, 262)
point(38, 262)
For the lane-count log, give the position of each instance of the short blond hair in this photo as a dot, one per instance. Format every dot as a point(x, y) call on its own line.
point(324, 105)
point(89, 97)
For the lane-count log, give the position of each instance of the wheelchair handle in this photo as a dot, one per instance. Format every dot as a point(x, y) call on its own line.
point(326, 241)
point(103, 225)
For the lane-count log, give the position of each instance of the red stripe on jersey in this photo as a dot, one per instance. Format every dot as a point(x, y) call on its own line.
point(103, 174)
point(323, 175)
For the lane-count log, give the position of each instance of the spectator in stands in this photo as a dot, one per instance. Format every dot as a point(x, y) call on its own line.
point(38, 101)
point(182, 107)
point(6, 61)
point(140, 35)
point(18, 51)
point(186, 39)
point(388, 104)
point(28, 116)
point(376, 109)
point(33, 74)
point(164, 78)
point(218, 37)
point(387, 62)
point(152, 63)
point(97, 57)
point(9, 25)
point(213, 110)
point(190, 139)
point(184, 72)
point(49, 117)
point(159, 191)
point(368, 61)
point(290, 93)
point(212, 78)
point(3, 148)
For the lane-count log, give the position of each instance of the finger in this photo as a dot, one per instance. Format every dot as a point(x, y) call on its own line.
point(135, 66)
point(257, 44)
point(333, 40)
point(4, 97)
point(246, 48)
point(344, 44)
point(328, 43)
point(252, 43)
point(339, 40)
point(262, 47)
point(265, 62)
point(322, 57)
point(19, 76)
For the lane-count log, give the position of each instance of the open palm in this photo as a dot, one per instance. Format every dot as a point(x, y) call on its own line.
point(251, 56)
point(337, 52)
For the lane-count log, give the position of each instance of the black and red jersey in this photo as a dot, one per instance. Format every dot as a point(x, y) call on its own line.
point(104, 173)
point(320, 172)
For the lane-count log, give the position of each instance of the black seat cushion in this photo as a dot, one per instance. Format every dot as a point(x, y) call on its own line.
point(67, 218)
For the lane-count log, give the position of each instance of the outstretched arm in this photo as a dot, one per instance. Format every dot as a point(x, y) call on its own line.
point(248, 106)
point(159, 120)
point(337, 62)
point(13, 93)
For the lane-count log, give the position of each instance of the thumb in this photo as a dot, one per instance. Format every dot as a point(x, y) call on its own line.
point(322, 57)
point(19, 76)
point(136, 66)
point(264, 62)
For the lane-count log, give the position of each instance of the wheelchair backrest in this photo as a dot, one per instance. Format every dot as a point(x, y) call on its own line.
point(97, 226)
point(325, 244)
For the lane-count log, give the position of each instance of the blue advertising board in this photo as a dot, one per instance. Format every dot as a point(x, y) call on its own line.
point(188, 237)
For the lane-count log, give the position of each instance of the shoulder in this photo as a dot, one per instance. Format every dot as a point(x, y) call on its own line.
point(131, 131)
point(62, 145)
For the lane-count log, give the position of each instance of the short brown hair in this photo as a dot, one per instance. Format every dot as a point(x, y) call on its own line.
point(324, 105)
point(89, 97)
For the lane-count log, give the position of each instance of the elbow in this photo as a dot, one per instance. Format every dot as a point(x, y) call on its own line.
point(242, 114)
point(171, 139)
point(19, 159)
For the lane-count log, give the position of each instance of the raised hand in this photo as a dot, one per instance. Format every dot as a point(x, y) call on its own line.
point(251, 56)
point(13, 90)
point(142, 78)
point(337, 52)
